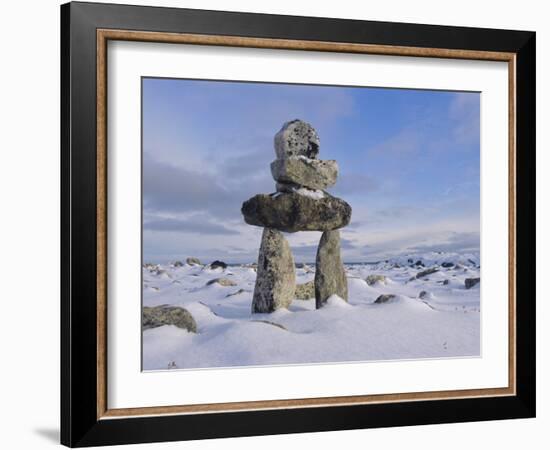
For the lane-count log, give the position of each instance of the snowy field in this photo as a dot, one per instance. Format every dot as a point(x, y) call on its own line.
point(442, 322)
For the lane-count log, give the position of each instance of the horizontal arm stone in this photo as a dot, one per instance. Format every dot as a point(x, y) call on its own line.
point(293, 212)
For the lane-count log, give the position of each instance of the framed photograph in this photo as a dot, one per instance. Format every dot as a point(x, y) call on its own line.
point(277, 224)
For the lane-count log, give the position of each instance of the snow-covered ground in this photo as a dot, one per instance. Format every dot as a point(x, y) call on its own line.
point(444, 323)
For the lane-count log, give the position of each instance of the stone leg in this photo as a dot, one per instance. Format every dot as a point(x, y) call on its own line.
point(276, 278)
point(330, 277)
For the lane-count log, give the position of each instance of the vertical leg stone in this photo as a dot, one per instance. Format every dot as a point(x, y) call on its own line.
point(275, 279)
point(330, 277)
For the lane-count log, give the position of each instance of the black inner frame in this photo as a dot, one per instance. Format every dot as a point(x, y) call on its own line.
point(79, 424)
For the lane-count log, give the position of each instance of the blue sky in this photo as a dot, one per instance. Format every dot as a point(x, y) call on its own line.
point(409, 166)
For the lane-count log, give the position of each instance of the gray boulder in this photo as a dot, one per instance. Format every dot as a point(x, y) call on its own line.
point(305, 291)
point(330, 276)
point(426, 272)
point(296, 138)
point(192, 261)
point(311, 173)
point(373, 279)
point(218, 264)
point(384, 298)
point(296, 212)
point(275, 279)
point(157, 316)
point(222, 282)
point(471, 282)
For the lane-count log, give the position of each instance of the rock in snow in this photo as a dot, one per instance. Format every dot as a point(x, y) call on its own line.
point(471, 282)
point(157, 316)
point(330, 276)
point(384, 298)
point(305, 291)
point(275, 280)
point(216, 264)
point(222, 282)
point(373, 279)
point(240, 291)
point(425, 295)
point(426, 272)
point(192, 261)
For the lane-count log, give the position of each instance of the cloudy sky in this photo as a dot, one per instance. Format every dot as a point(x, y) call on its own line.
point(409, 166)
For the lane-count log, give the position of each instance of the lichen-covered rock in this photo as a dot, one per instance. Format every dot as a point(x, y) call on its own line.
point(275, 279)
point(471, 282)
point(373, 279)
point(222, 282)
point(192, 261)
point(311, 173)
point(330, 276)
point(158, 316)
point(305, 291)
point(384, 298)
point(426, 272)
point(296, 138)
point(296, 212)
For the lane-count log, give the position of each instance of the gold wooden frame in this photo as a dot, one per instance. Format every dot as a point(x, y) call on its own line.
point(103, 36)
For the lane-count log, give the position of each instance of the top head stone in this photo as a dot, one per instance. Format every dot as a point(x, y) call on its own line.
point(296, 138)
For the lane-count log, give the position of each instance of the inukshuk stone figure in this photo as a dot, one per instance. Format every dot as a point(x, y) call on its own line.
point(300, 204)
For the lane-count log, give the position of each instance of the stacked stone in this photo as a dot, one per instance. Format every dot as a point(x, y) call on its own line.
point(300, 204)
